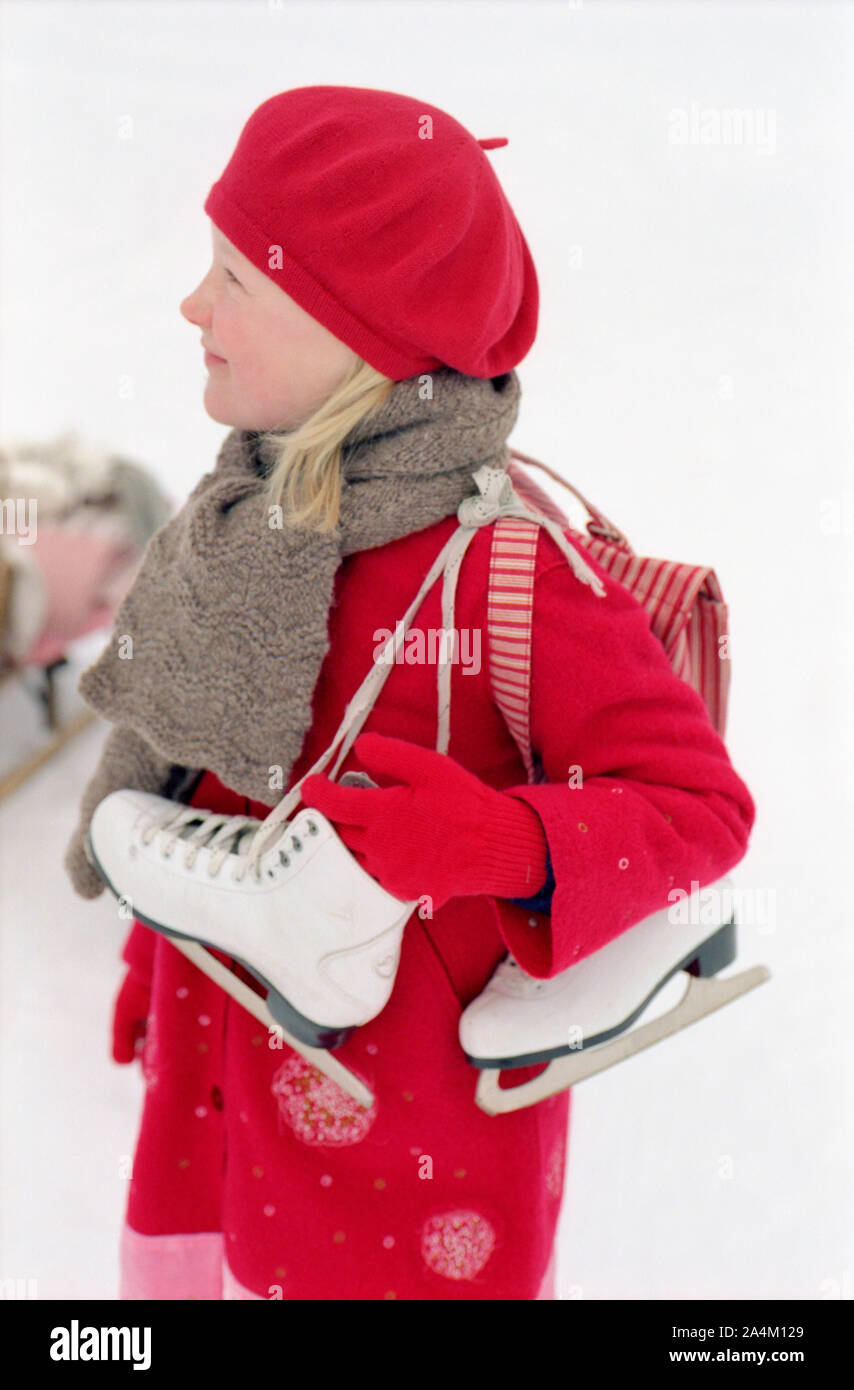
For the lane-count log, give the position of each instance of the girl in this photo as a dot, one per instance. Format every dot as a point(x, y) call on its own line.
point(370, 294)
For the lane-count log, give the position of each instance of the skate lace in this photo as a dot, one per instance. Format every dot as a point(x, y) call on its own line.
point(221, 836)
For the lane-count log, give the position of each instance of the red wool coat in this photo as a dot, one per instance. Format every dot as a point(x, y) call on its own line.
point(248, 1151)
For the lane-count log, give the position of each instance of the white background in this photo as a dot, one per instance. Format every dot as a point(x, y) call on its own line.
point(691, 375)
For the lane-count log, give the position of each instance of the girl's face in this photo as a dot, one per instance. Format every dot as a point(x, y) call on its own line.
point(272, 364)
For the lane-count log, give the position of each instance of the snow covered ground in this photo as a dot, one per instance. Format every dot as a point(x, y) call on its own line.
point(691, 375)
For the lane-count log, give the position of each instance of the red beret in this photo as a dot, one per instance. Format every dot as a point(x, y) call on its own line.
point(382, 217)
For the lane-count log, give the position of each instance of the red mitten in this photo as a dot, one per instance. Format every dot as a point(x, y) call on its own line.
point(441, 832)
point(129, 1018)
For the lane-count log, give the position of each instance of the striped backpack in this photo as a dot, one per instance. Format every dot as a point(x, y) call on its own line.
point(685, 604)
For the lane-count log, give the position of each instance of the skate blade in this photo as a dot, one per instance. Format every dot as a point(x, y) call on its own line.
point(255, 1005)
point(702, 996)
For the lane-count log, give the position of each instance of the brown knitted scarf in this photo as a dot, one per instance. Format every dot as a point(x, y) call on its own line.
point(217, 647)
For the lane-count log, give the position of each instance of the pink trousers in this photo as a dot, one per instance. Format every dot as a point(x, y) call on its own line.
point(194, 1267)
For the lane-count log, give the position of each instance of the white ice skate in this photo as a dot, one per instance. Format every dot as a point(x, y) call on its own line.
point(286, 899)
point(580, 1021)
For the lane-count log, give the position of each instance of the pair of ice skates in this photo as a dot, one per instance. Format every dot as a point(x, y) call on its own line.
point(288, 900)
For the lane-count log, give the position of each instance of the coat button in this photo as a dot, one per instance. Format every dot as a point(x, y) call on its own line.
point(216, 1098)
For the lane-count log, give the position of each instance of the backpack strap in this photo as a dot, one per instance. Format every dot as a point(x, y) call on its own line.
point(510, 615)
point(510, 607)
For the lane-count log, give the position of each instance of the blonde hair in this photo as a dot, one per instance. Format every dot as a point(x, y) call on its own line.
point(305, 476)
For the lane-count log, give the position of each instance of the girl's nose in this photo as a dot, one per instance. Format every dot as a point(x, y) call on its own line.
point(189, 308)
point(194, 308)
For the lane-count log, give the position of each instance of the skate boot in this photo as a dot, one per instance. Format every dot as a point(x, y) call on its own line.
point(580, 1021)
point(294, 907)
